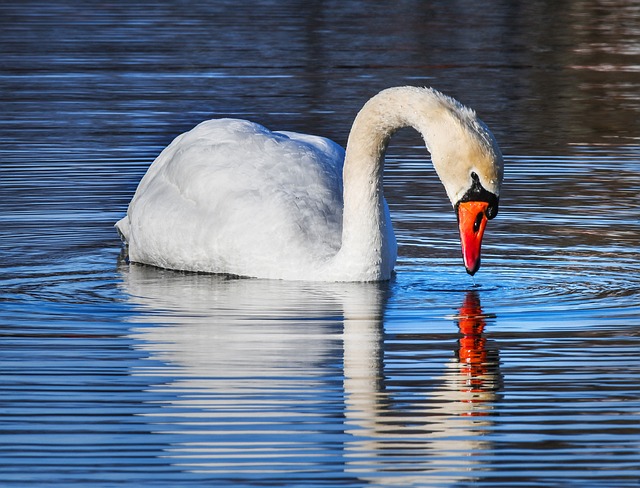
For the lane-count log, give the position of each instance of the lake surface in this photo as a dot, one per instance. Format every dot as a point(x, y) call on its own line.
point(124, 375)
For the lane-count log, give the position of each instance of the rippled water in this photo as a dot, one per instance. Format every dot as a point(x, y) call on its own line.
point(528, 375)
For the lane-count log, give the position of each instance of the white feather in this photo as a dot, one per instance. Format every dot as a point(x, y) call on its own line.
point(232, 197)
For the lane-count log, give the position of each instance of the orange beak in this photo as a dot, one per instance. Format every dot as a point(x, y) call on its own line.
point(472, 219)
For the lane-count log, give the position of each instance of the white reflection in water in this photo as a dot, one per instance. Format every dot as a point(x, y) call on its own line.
point(265, 373)
point(441, 431)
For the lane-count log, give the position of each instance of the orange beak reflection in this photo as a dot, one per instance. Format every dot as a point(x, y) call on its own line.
point(472, 220)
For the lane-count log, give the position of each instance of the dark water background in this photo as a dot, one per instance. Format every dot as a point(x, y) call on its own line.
point(115, 375)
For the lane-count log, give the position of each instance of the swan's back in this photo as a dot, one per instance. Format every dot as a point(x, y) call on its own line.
point(232, 197)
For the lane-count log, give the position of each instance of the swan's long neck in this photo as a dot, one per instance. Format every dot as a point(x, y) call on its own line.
point(368, 245)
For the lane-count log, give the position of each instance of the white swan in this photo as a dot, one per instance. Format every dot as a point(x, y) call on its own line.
point(232, 197)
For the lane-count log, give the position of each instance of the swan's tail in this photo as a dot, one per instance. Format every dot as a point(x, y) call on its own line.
point(122, 226)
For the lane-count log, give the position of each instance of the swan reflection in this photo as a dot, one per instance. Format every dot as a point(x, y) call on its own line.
point(258, 376)
point(442, 429)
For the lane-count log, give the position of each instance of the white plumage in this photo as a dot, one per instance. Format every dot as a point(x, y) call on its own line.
point(232, 197)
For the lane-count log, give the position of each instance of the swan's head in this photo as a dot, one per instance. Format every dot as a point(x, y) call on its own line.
point(473, 210)
point(465, 154)
point(469, 163)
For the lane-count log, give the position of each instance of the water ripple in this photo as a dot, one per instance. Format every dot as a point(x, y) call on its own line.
point(525, 375)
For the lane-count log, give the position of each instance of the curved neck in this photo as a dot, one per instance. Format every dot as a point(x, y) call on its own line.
point(367, 238)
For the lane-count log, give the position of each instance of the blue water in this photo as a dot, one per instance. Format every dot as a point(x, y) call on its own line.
point(526, 375)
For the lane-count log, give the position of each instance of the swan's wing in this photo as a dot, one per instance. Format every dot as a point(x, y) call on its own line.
point(230, 196)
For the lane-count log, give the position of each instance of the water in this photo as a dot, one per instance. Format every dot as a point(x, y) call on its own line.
point(128, 375)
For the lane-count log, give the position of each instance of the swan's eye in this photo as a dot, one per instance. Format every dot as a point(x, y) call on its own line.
point(478, 221)
point(477, 193)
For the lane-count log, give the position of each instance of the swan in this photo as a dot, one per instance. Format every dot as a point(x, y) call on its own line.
point(232, 197)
